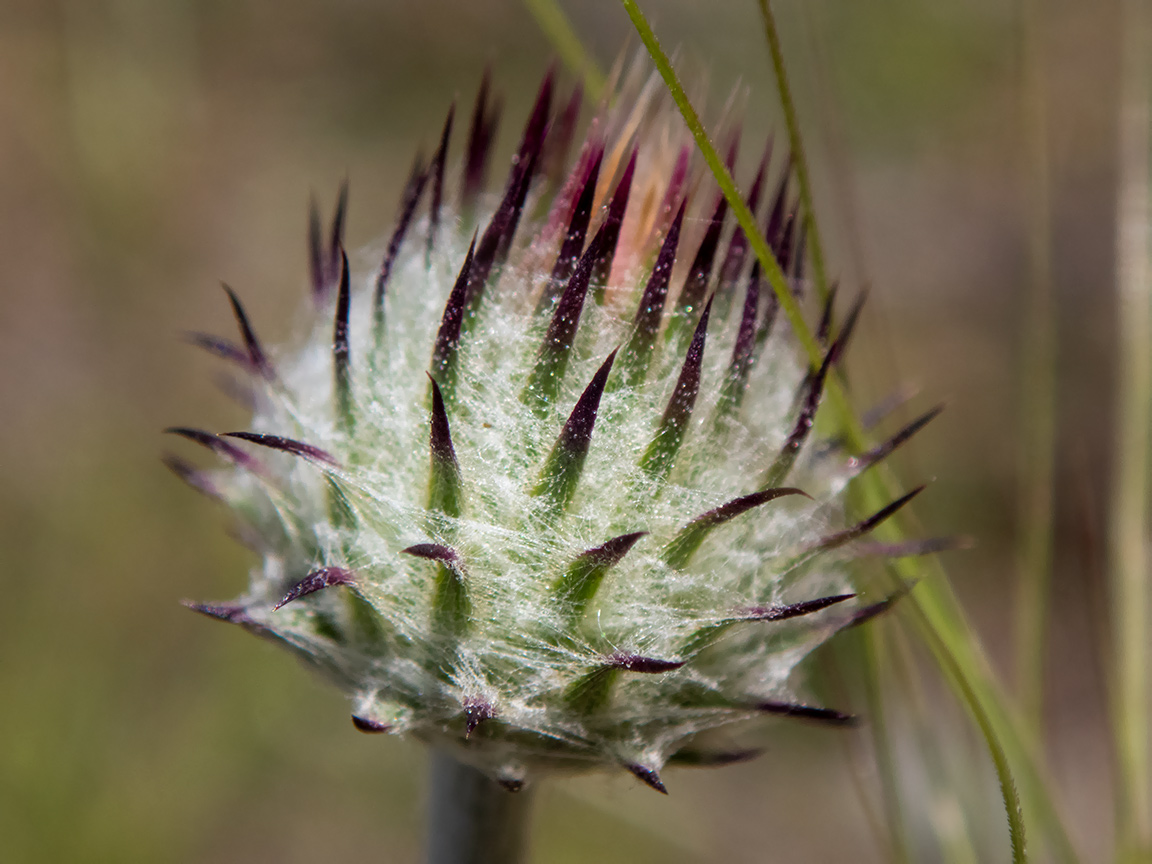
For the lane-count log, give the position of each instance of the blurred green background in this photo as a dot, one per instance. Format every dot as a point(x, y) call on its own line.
point(149, 148)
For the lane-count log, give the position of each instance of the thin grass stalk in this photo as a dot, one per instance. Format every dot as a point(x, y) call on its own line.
point(893, 658)
point(799, 159)
point(938, 618)
point(1038, 394)
point(936, 612)
point(834, 137)
point(881, 654)
point(841, 665)
point(1129, 506)
point(962, 685)
point(933, 748)
point(472, 819)
point(878, 652)
point(558, 28)
point(874, 650)
point(769, 265)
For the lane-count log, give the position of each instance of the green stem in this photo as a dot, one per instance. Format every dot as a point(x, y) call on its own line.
point(939, 620)
point(768, 263)
point(799, 159)
point(472, 819)
point(556, 27)
point(939, 755)
point(1038, 385)
point(1008, 792)
point(1128, 518)
point(937, 614)
point(873, 652)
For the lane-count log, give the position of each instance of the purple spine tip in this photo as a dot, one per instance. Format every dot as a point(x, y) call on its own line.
point(577, 432)
point(639, 663)
point(221, 348)
point(648, 775)
point(230, 612)
point(434, 552)
point(437, 172)
point(413, 189)
point(369, 726)
point(324, 263)
point(194, 477)
point(286, 445)
point(646, 324)
point(448, 336)
point(325, 577)
point(480, 136)
point(476, 711)
point(565, 463)
point(882, 451)
point(341, 355)
point(792, 610)
point(838, 539)
point(867, 613)
point(658, 458)
point(336, 234)
point(257, 359)
point(807, 712)
point(573, 243)
point(696, 285)
point(815, 390)
point(611, 227)
point(219, 446)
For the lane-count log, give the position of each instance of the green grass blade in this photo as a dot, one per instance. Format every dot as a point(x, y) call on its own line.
point(799, 160)
point(940, 622)
point(871, 661)
point(1015, 813)
point(1128, 518)
point(1038, 383)
point(558, 29)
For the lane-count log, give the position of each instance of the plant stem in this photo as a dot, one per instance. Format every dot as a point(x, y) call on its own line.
point(1128, 518)
point(873, 656)
point(1038, 397)
point(556, 26)
point(768, 263)
point(796, 143)
point(472, 819)
point(1008, 792)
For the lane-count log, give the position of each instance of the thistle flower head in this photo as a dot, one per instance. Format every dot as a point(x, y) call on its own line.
point(542, 487)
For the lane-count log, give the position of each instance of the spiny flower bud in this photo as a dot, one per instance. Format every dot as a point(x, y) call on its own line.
point(532, 491)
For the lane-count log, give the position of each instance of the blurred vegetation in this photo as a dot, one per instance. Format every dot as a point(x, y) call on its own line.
point(149, 148)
